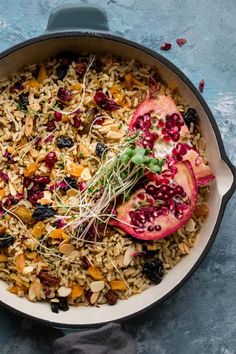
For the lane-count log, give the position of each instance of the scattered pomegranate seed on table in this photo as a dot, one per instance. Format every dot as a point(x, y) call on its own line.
point(181, 41)
point(201, 85)
point(165, 46)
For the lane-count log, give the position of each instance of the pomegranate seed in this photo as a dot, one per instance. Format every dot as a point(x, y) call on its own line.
point(57, 116)
point(157, 228)
point(164, 131)
point(201, 85)
point(150, 228)
point(165, 46)
point(175, 137)
point(181, 41)
point(166, 138)
point(161, 123)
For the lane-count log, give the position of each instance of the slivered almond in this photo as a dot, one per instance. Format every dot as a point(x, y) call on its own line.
point(86, 175)
point(66, 249)
point(128, 256)
point(115, 135)
point(63, 291)
point(29, 123)
point(12, 189)
point(97, 286)
point(94, 298)
point(190, 226)
point(183, 248)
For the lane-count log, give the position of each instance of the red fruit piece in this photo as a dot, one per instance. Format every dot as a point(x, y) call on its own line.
point(80, 69)
point(181, 41)
point(165, 46)
point(201, 85)
point(153, 222)
point(50, 159)
point(166, 109)
point(105, 102)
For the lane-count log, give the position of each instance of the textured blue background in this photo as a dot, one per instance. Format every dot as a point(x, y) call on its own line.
point(200, 318)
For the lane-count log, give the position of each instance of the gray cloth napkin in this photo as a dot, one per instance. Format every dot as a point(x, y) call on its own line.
point(109, 339)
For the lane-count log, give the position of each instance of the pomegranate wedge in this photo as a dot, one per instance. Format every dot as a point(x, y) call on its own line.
point(157, 211)
point(164, 131)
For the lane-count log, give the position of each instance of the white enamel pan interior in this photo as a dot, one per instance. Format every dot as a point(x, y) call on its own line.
point(35, 51)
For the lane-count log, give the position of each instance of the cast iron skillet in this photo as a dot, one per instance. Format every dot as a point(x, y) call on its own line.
point(86, 29)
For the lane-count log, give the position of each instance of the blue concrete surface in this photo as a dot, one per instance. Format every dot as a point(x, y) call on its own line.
point(200, 318)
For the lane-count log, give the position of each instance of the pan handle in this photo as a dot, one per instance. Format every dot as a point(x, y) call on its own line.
point(77, 17)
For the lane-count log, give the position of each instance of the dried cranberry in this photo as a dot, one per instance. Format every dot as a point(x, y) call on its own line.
point(99, 119)
point(165, 46)
point(9, 157)
point(80, 69)
point(50, 159)
point(77, 121)
point(111, 297)
point(4, 176)
point(64, 142)
point(201, 85)
point(154, 270)
point(82, 186)
point(59, 224)
point(62, 71)
point(42, 179)
point(88, 294)
point(105, 102)
point(48, 138)
point(64, 95)
point(181, 41)
point(57, 116)
point(85, 262)
point(48, 278)
point(50, 126)
point(16, 87)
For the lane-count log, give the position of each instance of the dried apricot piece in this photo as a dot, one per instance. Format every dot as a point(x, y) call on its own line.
point(3, 258)
point(118, 285)
point(23, 213)
point(77, 291)
point(42, 74)
point(95, 273)
point(38, 229)
point(31, 169)
point(20, 263)
point(58, 234)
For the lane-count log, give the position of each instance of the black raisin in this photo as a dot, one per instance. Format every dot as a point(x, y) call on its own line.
point(154, 270)
point(97, 65)
point(23, 100)
point(62, 71)
point(72, 183)
point(63, 304)
point(64, 142)
point(66, 58)
point(149, 253)
point(6, 240)
point(190, 116)
point(54, 306)
point(42, 212)
point(101, 149)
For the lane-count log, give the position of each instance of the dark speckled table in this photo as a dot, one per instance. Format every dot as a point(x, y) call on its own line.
point(201, 317)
